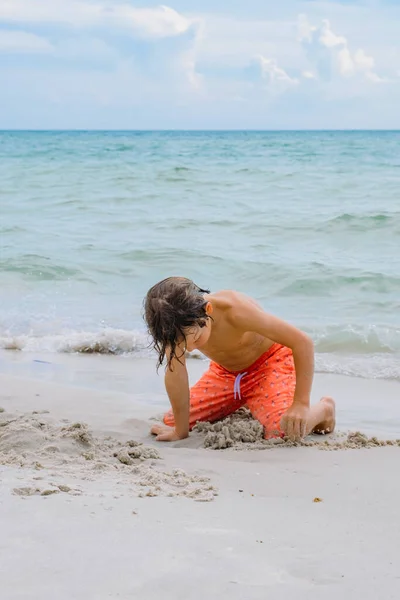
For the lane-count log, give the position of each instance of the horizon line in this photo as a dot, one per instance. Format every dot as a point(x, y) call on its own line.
point(100, 130)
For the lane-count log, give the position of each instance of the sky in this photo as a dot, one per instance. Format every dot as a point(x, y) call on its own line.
point(199, 64)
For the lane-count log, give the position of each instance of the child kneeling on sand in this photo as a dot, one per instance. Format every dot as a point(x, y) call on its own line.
point(257, 360)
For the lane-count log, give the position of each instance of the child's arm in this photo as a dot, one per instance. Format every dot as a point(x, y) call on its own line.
point(250, 317)
point(177, 386)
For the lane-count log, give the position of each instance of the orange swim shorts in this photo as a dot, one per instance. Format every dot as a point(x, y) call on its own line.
point(266, 388)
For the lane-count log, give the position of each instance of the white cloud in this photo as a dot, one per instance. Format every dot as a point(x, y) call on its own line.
point(188, 65)
point(364, 61)
point(172, 37)
point(111, 56)
point(20, 42)
point(86, 48)
point(157, 22)
point(274, 75)
point(331, 55)
point(232, 42)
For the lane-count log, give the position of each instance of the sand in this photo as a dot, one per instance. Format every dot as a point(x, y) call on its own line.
point(241, 432)
point(38, 441)
point(94, 508)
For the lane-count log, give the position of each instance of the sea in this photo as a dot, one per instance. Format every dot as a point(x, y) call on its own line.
point(307, 223)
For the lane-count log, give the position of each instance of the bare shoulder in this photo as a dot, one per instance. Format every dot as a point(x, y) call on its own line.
point(234, 303)
point(245, 314)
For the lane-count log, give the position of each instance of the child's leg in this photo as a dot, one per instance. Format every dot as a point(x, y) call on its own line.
point(211, 398)
point(322, 417)
point(269, 390)
point(269, 393)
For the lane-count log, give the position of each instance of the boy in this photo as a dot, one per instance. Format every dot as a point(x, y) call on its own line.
point(257, 360)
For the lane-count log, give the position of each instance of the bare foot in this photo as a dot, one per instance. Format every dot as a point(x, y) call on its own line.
point(329, 422)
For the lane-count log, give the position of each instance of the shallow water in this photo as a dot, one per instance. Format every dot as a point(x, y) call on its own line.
point(308, 223)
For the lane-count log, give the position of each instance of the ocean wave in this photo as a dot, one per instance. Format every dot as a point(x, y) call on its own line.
point(346, 222)
point(107, 341)
point(182, 169)
point(375, 366)
point(326, 281)
point(368, 353)
point(362, 222)
point(357, 340)
point(39, 267)
point(376, 218)
point(176, 174)
point(167, 256)
point(11, 229)
point(186, 223)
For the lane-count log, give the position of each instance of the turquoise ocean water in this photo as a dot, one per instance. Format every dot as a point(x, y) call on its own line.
point(308, 223)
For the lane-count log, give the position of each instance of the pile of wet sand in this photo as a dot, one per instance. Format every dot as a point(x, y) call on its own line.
point(240, 431)
point(70, 450)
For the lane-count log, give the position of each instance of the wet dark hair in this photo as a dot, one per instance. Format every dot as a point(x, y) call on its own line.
point(171, 307)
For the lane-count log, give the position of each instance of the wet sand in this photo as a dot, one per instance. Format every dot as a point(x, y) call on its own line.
point(94, 508)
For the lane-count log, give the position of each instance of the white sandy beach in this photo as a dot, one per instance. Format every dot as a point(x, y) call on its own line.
point(95, 527)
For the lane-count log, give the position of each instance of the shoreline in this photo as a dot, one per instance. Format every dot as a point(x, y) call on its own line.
point(369, 405)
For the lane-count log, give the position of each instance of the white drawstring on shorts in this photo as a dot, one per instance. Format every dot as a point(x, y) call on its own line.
point(236, 387)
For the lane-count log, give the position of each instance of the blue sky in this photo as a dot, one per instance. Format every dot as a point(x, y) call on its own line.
point(199, 64)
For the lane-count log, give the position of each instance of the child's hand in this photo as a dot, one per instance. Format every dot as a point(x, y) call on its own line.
point(294, 421)
point(164, 433)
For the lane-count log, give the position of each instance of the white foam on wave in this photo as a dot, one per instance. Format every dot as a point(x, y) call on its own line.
point(107, 341)
point(342, 351)
point(373, 366)
point(355, 339)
